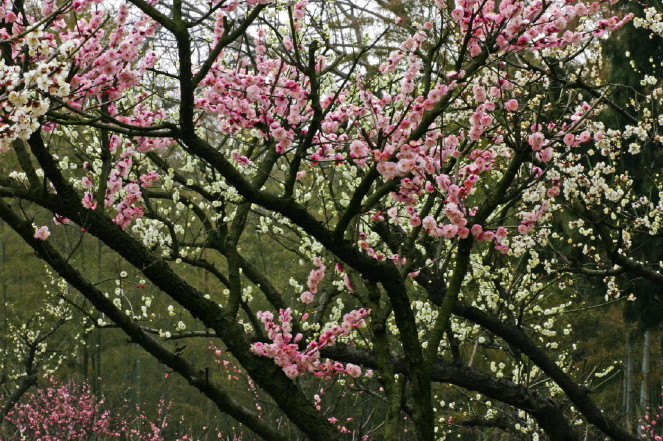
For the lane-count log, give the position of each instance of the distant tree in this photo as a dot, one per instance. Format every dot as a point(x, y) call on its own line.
point(26, 356)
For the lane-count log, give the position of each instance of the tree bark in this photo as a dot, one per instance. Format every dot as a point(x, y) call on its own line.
point(645, 400)
point(628, 382)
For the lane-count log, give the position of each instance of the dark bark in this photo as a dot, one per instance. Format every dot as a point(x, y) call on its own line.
point(578, 395)
point(25, 384)
point(547, 412)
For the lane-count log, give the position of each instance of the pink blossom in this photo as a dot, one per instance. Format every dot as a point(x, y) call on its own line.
point(60, 220)
point(358, 149)
point(279, 133)
point(487, 235)
point(479, 93)
point(253, 93)
point(148, 178)
point(449, 231)
point(316, 276)
point(288, 44)
point(429, 223)
point(306, 297)
point(388, 169)
point(511, 105)
point(88, 201)
point(524, 228)
point(569, 139)
point(536, 140)
point(545, 155)
point(353, 370)
point(42, 233)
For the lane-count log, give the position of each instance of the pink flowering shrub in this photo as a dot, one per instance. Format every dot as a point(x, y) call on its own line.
point(71, 411)
point(650, 426)
point(60, 412)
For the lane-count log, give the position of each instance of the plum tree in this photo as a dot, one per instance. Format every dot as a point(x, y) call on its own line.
point(443, 193)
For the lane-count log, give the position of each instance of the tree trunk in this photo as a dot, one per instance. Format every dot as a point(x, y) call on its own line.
point(645, 401)
point(96, 359)
point(628, 382)
point(5, 312)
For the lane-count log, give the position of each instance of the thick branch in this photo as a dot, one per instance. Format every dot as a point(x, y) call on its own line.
point(545, 410)
point(577, 394)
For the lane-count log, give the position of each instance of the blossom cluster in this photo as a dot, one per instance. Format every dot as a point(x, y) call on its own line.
point(314, 279)
point(648, 425)
point(285, 350)
point(653, 20)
